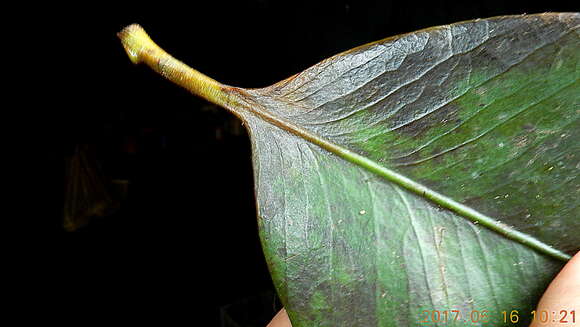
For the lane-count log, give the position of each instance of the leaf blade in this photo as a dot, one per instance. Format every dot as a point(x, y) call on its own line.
point(501, 291)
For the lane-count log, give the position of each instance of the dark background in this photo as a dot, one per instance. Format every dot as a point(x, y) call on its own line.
point(184, 242)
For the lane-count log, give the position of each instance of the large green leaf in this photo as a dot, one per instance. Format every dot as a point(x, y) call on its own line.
point(436, 170)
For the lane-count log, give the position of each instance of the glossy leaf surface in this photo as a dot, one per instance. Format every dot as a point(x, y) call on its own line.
point(436, 170)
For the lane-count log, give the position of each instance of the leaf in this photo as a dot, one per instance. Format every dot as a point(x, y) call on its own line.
point(435, 170)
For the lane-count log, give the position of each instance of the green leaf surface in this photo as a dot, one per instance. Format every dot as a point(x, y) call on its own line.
point(436, 170)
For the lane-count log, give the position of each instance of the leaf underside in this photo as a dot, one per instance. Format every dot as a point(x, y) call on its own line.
point(484, 112)
point(436, 170)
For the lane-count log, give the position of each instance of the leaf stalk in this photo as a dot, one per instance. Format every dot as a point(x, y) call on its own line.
point(141, 49)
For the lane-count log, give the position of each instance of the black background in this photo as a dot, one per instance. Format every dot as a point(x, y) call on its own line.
point(185, 242)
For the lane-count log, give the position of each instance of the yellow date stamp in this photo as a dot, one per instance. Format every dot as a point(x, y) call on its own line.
point(508, 317)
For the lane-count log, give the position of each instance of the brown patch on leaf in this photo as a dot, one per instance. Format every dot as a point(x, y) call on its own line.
point(446, 115)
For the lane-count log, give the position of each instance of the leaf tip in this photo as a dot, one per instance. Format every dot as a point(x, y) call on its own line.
point(133, 37)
